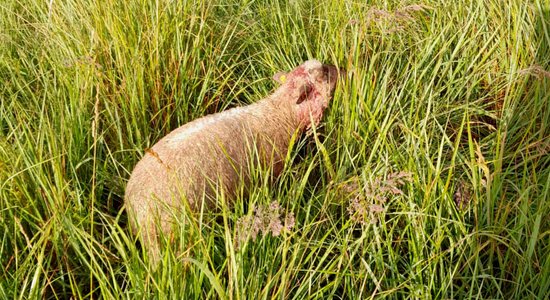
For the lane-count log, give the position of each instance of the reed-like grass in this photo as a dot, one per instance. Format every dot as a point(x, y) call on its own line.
point(450, 95)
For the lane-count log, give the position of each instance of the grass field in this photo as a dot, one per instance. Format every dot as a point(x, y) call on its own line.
point(429, 178)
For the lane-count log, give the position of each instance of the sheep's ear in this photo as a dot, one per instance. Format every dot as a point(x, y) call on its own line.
point(280, 77)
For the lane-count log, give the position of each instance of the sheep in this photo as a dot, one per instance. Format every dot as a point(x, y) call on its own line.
point(198, 161)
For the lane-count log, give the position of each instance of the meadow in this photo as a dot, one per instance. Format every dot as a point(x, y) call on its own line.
point(429, 176)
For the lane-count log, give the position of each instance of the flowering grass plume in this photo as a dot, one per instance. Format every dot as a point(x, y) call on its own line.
point(367, 201)
point(266, 220)
point(396, 20)
point(462, 195)
point(535, 70)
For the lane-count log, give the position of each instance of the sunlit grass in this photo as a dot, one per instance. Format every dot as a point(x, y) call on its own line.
point(454, 93)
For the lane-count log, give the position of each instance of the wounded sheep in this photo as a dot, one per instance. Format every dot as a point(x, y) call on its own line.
point(214, 154)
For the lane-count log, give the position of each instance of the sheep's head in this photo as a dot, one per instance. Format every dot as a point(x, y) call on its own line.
point(309, 88)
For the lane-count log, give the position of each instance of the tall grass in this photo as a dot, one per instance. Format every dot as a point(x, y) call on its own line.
point(452, 93)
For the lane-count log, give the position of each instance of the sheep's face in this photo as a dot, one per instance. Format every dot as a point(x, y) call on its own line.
point(309, 88)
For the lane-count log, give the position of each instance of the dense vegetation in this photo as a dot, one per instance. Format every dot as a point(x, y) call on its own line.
point(429, 178)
